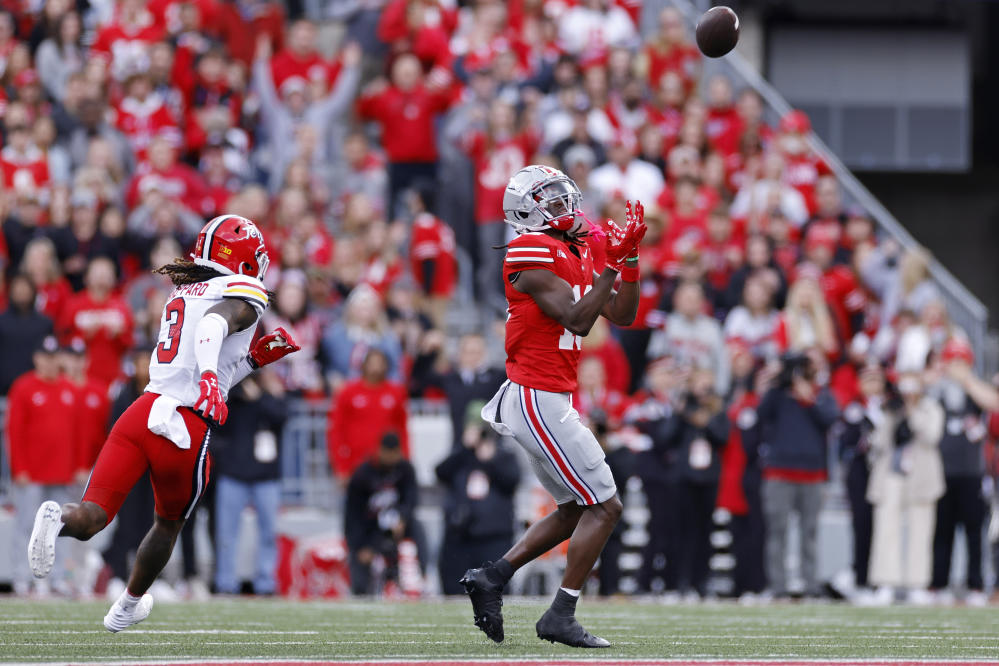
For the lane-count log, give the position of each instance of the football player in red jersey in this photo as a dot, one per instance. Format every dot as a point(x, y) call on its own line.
point(554, 298)
point(204, 348)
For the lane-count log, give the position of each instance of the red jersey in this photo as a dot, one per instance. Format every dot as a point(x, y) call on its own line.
point(311, 67)
point(495, 160)
point(179, 183)
point(802, 172)
point(682, 59)
point(41, 429)
point(540, 352)
point(140, 122)
point(121, 45)
point(105, 327)
point(433, 241)
point(362, 413)
point(28, 170)
point(407, 120)
point(92, 410)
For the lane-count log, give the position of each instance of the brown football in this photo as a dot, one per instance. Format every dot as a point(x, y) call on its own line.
point(717, 31)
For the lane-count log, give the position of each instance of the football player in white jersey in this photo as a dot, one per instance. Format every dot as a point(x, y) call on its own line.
point(203, 350)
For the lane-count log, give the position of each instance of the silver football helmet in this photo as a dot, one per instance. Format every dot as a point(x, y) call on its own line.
point(541, 197)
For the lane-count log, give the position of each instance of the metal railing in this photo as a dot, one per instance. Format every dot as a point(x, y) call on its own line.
point(307, 478)
point(965, 309)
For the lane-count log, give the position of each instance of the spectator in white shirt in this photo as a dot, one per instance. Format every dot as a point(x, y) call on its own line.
point(624, 175)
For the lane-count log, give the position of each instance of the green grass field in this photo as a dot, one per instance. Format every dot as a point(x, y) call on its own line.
point(252, 629)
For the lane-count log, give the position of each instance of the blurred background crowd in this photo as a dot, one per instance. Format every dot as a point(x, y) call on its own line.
point(781, 341)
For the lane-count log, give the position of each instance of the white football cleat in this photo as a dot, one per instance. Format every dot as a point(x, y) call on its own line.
point(119, 618)
point(41, 547)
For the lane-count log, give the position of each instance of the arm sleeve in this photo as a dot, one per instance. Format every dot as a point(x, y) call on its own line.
point(340, 97)
point(209, 334)
point(263, 83)
point(824, 411)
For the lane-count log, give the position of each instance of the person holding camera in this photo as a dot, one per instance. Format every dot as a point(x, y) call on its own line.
point(795, 417)
point(692, 438)
point(906, 481)
point(379, 514)
point(479, 478)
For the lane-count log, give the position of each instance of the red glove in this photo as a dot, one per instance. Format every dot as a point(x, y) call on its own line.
point(622, 244)
point(210, 403)
point(272, 347)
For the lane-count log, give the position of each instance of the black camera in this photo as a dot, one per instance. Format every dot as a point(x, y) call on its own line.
point(795, 364)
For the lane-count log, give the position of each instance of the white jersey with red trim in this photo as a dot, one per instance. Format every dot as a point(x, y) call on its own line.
point(173, 370)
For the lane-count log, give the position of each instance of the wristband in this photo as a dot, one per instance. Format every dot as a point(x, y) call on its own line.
point(629, 269)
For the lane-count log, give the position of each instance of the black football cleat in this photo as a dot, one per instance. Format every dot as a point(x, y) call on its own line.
point(567, 630)
point(487, 602)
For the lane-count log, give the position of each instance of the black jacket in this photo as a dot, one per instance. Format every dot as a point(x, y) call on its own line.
point(482, 386)
point(20, 334)
point(236, 452)
point(375, 491)
point(674, 438)
point(469, 515)
point(794, 434)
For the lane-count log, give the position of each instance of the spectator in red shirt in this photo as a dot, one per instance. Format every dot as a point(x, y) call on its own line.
point(847, 299)
point(600, 344)
point(406, 109)
point(212, 105)
point(364, 410)
point(101, 319)
point(431, 252)
point(125, 42)
point(496, 153)
point(177, 181)
point(671, 51)
point(93, 406)
point(723, 122)
point(43, 450)
point(594, 399)
point(803, 167)
point(301, 59)
point(240, 24)
point(420, 27)
point(42, 267)
point(24, 165)
point(144, 116)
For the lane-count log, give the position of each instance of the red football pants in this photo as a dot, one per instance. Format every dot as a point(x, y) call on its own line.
point(179, 476)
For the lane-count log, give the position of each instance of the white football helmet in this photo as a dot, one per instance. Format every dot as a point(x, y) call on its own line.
point(541, 197)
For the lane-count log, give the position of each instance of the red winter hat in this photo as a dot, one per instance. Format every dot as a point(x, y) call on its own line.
point(795, 121)
point(958, 349)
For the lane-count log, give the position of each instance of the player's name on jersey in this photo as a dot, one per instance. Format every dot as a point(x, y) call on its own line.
point(196, 289)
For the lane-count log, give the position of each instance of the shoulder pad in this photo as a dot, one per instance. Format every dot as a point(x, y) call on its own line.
point(245, 287)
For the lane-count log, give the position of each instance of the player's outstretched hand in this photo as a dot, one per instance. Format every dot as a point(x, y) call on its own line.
point(272, 347)
point(210, 403)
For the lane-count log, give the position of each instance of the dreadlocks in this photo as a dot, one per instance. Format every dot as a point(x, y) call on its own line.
point(182, 272)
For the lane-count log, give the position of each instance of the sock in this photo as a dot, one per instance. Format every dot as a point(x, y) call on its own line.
point(128, 601)
point(500, 571)
point(574, 593)
point(565, 602)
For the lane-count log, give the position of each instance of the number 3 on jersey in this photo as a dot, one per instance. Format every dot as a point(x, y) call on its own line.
point(166, 350)
point(568, 340)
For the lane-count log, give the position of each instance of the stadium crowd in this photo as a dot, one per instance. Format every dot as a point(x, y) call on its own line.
point(778, 336)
